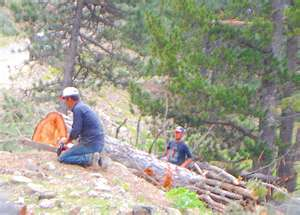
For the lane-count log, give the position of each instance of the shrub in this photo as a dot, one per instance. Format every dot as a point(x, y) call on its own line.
point(18, 118)
point(183, 198)
point(258, 189)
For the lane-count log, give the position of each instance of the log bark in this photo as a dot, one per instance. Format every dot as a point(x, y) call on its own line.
point(217, 173)
point(215, 192)
point(216, 187)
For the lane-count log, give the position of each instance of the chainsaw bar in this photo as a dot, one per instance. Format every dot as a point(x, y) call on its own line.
point(38, 146)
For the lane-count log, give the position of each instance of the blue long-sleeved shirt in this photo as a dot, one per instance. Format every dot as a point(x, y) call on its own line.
point(86, 126)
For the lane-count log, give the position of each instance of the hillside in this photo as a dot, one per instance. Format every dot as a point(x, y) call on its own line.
point(45, 186)
point(226, 71)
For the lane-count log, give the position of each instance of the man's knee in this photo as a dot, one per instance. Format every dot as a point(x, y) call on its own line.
point(101, 148)
point(63, 157)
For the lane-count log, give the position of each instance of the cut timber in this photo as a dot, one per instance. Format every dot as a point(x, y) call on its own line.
point(50, 129)
point(218, 192)
point(214, 186)
point(218, 173)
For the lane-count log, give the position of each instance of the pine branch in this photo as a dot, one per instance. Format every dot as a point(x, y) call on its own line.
point(241, 129)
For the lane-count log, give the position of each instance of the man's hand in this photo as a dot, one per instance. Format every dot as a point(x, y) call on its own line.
point(69, 145)
point(62, 140)
point(63, 145)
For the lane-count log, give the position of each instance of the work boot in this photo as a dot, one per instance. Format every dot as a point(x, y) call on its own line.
point(105, 162)
point(95, 159)
point(100, 160)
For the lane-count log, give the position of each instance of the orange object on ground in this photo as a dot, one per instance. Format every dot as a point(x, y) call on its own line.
point(167, 180)
point(50, 129)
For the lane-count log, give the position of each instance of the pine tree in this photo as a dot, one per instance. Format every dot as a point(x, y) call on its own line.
point(225, 65)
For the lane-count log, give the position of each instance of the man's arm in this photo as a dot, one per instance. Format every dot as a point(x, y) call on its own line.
point(167, 151)
point(189, 157)
point(76, 126)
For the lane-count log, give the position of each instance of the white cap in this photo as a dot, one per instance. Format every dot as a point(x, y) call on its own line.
point(70, 91)
point(179, 129)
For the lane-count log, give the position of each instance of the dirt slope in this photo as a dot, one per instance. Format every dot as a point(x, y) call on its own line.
point(26, 177)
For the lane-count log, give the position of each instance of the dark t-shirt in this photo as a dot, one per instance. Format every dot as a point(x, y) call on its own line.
point(178, 152)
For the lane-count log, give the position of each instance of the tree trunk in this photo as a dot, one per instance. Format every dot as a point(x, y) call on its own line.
point(267, 126)
point(286, 168)
point(71, 52)
point(268, 99)
point(278, 42)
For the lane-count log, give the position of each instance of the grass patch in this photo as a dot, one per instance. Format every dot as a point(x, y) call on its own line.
point(183, 198)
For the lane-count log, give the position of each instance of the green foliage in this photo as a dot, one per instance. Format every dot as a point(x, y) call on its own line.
point(256, 149)
point(293, 17)
point(183, 198)
point(216, 71)
point(17, 120)
point(148, 104)
point(7, 27)
point(24, 10)
point(292, 102)
point(280, 196)
point(138, 38)
point(258, 189)
point(52, 72)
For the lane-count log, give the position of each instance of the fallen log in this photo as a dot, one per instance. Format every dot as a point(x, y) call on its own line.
point(217, 190)
point(213, 185)
point(218, 173)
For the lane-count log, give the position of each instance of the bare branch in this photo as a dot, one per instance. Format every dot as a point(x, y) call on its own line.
point(243, 130)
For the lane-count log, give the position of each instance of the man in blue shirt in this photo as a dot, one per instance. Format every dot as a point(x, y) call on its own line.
point(87, 127)
point(177, 151)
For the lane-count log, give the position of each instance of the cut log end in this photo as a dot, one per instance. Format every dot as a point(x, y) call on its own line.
point(50, 129)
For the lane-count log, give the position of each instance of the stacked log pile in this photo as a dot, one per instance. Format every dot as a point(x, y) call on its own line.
point(214, 186)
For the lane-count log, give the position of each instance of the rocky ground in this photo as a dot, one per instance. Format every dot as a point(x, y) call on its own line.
point(45, 186)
